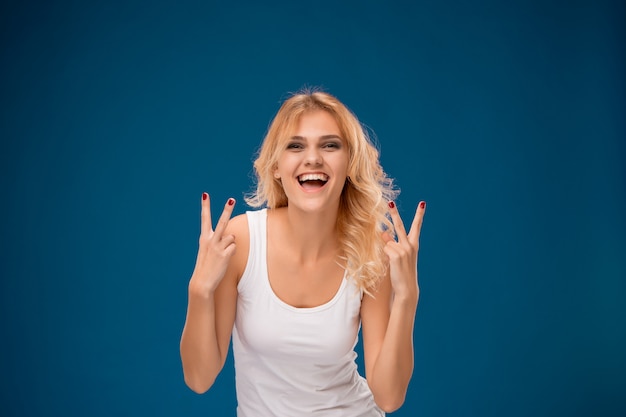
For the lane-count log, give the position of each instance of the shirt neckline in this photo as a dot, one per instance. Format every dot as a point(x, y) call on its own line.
point(276, 298)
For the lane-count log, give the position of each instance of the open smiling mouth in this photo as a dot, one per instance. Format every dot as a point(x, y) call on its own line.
point(312, 182)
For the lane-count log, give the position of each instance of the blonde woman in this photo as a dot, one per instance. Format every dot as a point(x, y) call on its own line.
point(293, 281)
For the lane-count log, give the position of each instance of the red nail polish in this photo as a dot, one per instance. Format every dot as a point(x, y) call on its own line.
point(392, 204)
point(422, 204)
point(231, 201)
point(205, 196)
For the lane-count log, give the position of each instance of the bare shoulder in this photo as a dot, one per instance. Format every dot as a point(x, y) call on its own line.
point(379, 298)
point(238, 227)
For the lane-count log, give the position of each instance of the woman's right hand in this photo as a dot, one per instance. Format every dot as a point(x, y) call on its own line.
point(215, 249)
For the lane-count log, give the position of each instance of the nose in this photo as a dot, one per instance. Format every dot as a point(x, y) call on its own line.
point(313, 157)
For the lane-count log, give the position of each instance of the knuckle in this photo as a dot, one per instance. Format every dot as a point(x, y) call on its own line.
point(227, 252)
point(393, 255)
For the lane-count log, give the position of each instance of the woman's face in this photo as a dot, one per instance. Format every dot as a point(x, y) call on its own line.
point(313, 164)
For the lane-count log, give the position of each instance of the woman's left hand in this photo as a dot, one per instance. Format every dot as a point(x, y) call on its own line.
point(403, 253)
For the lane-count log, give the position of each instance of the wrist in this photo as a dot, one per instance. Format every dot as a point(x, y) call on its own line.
point(406, 298)
point(198, 289)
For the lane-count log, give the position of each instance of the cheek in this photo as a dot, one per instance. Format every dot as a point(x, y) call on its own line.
point(283, 163)
point(341, 164)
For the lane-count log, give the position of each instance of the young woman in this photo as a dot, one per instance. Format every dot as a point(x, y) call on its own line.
point(293, 282)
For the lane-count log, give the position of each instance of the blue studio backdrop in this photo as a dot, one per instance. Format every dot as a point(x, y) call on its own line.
point(508, 118)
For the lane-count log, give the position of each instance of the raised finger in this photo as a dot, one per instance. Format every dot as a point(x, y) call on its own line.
point(205, 215)
point(397, 222)
point(225, 217)
point(416, 226)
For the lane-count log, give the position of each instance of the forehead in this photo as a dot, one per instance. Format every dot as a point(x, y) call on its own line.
point(316, 123)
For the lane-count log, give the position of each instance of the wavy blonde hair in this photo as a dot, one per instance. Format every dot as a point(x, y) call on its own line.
point(363, 211)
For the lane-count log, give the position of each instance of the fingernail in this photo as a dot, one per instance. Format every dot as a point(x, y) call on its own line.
point(205, 196)
point(231, 201)
point(422, 204)
point(392, 204)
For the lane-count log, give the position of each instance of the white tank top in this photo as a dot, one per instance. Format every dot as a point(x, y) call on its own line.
point(289, 361)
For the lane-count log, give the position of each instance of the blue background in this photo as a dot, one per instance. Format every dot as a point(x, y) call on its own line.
point(508, 118)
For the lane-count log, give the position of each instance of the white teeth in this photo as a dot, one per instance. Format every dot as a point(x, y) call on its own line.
point(313, 177)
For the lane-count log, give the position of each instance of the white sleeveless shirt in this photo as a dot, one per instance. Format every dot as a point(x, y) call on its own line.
point(292, 362)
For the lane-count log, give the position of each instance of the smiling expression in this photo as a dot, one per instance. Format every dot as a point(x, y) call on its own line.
point(314, 162)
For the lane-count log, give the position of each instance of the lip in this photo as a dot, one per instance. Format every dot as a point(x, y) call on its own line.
point(313, 191)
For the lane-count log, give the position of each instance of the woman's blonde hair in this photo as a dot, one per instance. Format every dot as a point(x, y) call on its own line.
point(363, 206)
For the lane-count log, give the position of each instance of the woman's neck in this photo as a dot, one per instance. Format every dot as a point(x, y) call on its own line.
point(308, 237)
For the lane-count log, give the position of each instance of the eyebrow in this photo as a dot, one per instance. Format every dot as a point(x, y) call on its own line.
point(324, 137)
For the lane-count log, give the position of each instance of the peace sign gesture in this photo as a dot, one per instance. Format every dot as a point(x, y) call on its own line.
point(215, 248)
point(403, 252)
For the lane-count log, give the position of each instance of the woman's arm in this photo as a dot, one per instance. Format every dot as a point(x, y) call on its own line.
point(388, 320)
point(387, 327)
point(206, 335)
point(212, 298)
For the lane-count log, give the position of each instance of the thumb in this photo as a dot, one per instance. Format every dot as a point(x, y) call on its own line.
point(387, 237)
